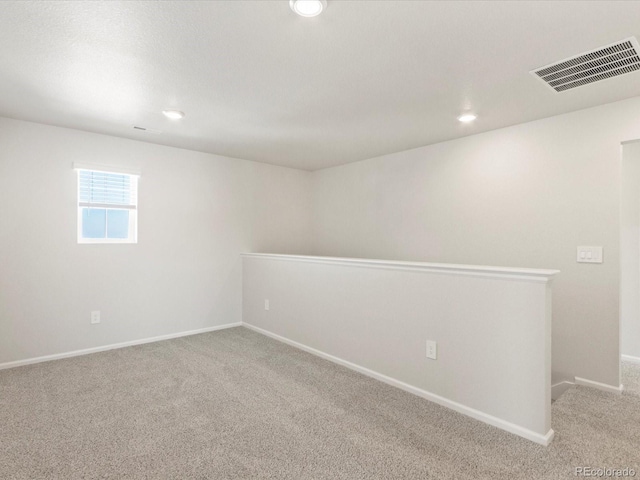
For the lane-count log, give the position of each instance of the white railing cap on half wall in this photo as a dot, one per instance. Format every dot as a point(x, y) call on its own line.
point(528, 274)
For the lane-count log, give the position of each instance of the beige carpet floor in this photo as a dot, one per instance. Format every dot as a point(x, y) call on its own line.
point(631, 379)
point(234, 404)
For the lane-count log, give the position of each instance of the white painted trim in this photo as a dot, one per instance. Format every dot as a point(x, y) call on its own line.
point(86, 351)
point(458, 407)
point(600, 386)
point(107, 168)
point(630, 359)
point(559, 388)
point(528, 274)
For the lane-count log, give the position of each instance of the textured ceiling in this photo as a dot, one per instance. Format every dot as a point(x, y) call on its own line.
point(258, 82)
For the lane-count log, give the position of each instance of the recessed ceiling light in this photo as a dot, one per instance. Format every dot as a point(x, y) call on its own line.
point(467, 117)
point(308, 8)
point(173, 114)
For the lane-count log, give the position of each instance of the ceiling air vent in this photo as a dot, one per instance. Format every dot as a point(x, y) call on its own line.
point(148, 130)
point(606, 62)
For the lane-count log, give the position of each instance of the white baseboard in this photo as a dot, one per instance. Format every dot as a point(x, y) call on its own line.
point(630, 359)
point(600, 386)
point(458, 407)
point(559, 388)
point(86, 351)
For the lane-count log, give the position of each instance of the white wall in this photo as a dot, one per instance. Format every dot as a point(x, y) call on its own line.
point(630, 250)
point(523, 196)
point(492, 328)
point(198, 212)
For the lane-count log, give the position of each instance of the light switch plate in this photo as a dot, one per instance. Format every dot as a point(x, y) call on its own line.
point(589, 255)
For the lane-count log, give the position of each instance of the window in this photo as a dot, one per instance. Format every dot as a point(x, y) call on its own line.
point(107, 206)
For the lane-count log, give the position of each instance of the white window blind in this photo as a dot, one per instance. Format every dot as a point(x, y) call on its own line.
point(103, 189)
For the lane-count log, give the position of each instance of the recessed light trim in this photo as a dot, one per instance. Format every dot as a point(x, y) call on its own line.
point(173, 114)
point(308, 8)
point(467, 117)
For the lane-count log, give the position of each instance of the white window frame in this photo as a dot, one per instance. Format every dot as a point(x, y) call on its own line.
point(133, 208)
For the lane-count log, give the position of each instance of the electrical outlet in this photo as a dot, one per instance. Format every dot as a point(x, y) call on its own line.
point(95, 316)
point(432, 349)
point(266, 304)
